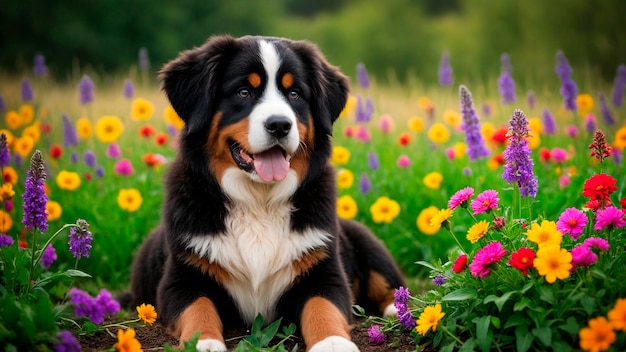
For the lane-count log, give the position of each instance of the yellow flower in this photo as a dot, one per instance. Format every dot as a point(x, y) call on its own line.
point(126, 341)
point(346, 207)
point(23, 146)
point(147, 313)
point(442, 216)
point(341, 155)
point(10, 175)
point(345, 178)
point(141, 109)
point(423, 221)
point(553, 262)
point(487, 130)
point(425, 103)
point(129, 199)
point(452, 118)
point(172, 118)
point(597, 336)
point(84, 129)
point(68, 180)
point(536, 125)
point(620, 139)
point(617, 315)
point(384, 210)
point(6, 192)
point(438, 133)
point(477, 231)
point(109, 128)
point(350, 106)
point(54, 210)
point(13, 119)
point(416, 124)
point(545, 234)
point(27, 113)
point(5, 221)
point(459, 150)
point(433, 180)
point(534, 139)
point(33, 131)
point(584, 103)
point(429, 318)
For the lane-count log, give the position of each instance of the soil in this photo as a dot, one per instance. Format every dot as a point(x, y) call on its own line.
point(154, 338)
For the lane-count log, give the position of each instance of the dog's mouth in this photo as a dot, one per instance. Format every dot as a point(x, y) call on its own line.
point(271, 165)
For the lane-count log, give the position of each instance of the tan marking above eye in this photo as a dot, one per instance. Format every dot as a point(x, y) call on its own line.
point(254, 79)
point(287, 80)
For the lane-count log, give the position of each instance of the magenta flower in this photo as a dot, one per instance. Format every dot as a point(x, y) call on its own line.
point(485, 257)
point(113, 151)
point(124, 167)
point(572, 222)
point(403, 161)
point(583, 256)
point(485, 201)
point(461, 198)
point(559, 155)
point(597, 243)
point(376, 336)
point(572, 131)
point(609, 217)
point(385, 124)
point(363, 135)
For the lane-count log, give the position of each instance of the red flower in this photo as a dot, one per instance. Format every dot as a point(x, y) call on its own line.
point(499, 159)
point(522, 259)
point(161, 139)
point(460, 264)
point(599, 187)
point(499, 136)
point(56, 151)
point(22, 244)
point(544, 154)
point(404, 139)
point(46, 128)
point(594, 204)
point(146, 131)
point(622, 203)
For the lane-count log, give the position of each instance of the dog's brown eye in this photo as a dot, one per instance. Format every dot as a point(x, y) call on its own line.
point(294, 95)
point(244, 93)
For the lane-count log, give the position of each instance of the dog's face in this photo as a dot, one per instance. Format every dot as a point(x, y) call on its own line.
point(263, 106)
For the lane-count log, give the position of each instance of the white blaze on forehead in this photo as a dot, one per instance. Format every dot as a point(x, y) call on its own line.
point(272, 103)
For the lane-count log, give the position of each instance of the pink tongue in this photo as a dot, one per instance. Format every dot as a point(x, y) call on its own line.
point(271, 165)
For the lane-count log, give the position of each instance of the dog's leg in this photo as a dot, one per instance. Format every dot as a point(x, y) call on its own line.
point(201, 316)
point(324, 327)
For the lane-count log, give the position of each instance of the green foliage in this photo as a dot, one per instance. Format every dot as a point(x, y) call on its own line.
point(260, 337)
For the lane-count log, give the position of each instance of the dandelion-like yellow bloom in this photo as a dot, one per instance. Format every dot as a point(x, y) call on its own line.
point(13, 119)
point(341, 155)
point(126, 341)
point(141, 109)
point(433, 180)
point(553, 262)
point(84, 128)
point(345, 179)
point(584, 103)
point(487, 130)
point(442, 216)
point(10, 175)
point(617, 315)
point(438, 133)
point(416, 124)
point(147, 313)
point(428, 319)
point(5, 221)
point(172, 118)
point(545, 234)
point(384, 210)
point(6, 192)
point(536, 125)
point(129, 199)
point(23, 146)
point(54, 210)
point(27, 113)
point(350, 106)
point(346, 207)
point(68, 180)
point(109, 128)
point(452, 118)
point(33, 131)
point(620, 139)
point(534, 139)
point(425, 103)
point(423, 221)
point(477, 231)
point(597, 336)
point(459, 150)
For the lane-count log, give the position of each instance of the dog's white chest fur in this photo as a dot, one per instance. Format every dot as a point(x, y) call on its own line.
point(258, 247)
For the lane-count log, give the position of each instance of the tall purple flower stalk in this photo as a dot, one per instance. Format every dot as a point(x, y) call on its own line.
point(401, 303)
point(40, 68)
point(34, 196)
point(506, 87)
point(364, 111)
point(445, 70)
point(505, 61)
point(531, 99)
point(85, 90)
point(5, 153)
point(619, 86)
point(362, 77)
point(569, 89)
point(605, 110)
point(471, 126)
point(129, 89)
point(144, 61)
point(519, 166)
point(549, 125)
point(70, 136)
point(80, 239)
point(27, 91)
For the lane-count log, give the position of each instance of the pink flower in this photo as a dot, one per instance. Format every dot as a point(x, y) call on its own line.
point(403, 161)
point(113, 151)
point(572, 222)
point(461, 198)
point(124, 167)
point(385, 124)
point(363, 135)
point(597, 243)
point(485, 201)
point(489, 254)
point(609, 216)
point(572, 131)
point(559, 155)
point(348, 131)
point(450, 153)
point(564, 181)
point(583, 256)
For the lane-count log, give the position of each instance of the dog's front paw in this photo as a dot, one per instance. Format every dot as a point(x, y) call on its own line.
point(334, 344)
point(210, 345)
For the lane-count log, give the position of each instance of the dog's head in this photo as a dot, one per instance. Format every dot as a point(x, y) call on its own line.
point(260, 105)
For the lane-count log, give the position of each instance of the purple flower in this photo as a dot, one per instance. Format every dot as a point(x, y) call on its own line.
point(619, 86)
point(569, 89)
point(617, 156)
point(93, 308)
point(74, 157)
point(67, 342)
point(144, 61)
point(27, 90)
point(372, 161)
point(376, 336)
point(2, 105)
point(549, 126)
point(113, 151)
point(471, 126)
point(364, 111)
point(445, 70)
point(70, 137)
point(34, 196)
point(85, 90)
point(505, 62)
point(531, 99)
point(572, 222)
point(365, 185)
point(572, 131)
point(5, 240)
point(611, 217)
point(89, 157)
point(486, 109)
point(467, 171)
point(362, 77)
point(605, 111)
point(482, 263)
point(48, 257)
point(401, 296)
point(99, 172)
point(129, 89)
point(5, 153)
point(80, 239)
point(590, 123)
point(506, 87)
point(519, 166)
point(439, 280)
point(562, 69)
point(40, 67)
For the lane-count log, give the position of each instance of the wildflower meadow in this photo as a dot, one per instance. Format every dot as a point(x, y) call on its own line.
point(504, 206)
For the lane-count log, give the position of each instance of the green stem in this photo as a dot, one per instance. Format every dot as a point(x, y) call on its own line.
point(452, 335)
point(456, 240)
point(50, 239)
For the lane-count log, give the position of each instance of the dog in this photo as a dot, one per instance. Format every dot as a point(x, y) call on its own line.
point(249, 216)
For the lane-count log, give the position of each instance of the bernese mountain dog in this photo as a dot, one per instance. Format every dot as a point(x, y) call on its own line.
point(249, 217)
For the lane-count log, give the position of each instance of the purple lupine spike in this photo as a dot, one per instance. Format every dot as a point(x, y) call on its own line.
point(531, 99)
point(519, 166)
point(364, 111)
point(85, 90)
point(505, 61)
point(372, 161)
point(562, 69)
point(362, 77)
point(34, 196)
point(569, 91)
point(70, 136)
point(27, 91)
point(590, 123)
point(80, 239)
point(5, 153)
point(506, 87)
point(129, 89)
point(471, 126)
point(605, 110)
point(619, 86)
point(144, 61)
point(549, 125)
point(365, 185)
point(445, 70)
point(40, 67)
point(89, 157)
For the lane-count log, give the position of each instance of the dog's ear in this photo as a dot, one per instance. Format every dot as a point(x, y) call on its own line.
point(190, 80)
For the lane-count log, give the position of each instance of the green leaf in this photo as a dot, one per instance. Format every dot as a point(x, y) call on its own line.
point(546, 294)
point(516, 319)
point(495, 321)
point(571, 326)
point(73, 273)
point(461, 294)
point(544, 334)
point(269, 332)
point(499, 301)
point(427, 264)
point(589, 304)
point(483, 335)
point(523, 339)
point(521, 304)
point(468, 346)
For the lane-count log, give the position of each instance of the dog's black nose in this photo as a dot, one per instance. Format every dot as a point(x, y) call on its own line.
point(278, 126)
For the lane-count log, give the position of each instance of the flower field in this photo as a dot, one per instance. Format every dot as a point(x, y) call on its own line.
point(505, 209)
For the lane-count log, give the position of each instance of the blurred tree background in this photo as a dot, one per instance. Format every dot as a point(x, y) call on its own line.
point(396, 39)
